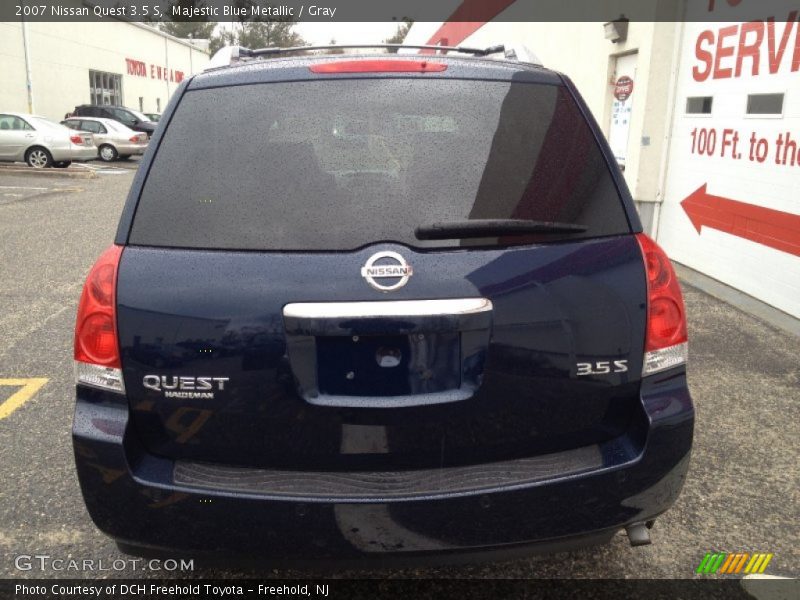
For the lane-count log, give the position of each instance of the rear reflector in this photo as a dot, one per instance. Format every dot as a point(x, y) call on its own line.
point(666, 339)
point(660, 360)
point(379, 66)
point(106, 378)
point(96, 344)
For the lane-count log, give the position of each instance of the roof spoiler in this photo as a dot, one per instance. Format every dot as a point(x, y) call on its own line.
point(230, 55)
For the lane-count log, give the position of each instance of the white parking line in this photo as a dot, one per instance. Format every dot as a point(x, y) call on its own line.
point(21, 187)
point(101, 166)
point(107, 169)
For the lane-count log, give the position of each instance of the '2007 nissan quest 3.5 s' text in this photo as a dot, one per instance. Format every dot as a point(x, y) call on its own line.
point(379, 305)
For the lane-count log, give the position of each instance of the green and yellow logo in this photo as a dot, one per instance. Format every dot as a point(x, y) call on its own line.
point(726, 563)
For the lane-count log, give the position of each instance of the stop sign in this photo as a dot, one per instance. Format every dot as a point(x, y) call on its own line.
point(623, 88)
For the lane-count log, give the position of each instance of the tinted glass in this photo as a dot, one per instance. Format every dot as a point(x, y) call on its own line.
point(765, 104)
point(123, 115)
point(334, 165)
point(699, 105)
point(92, 126)
point(10, 122)
point(136, 114)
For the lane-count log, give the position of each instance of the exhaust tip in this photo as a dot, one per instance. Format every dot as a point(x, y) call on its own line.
point(638, 534)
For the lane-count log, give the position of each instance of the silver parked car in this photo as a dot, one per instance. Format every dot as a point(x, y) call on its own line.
point(41, 142)
point(114, 140)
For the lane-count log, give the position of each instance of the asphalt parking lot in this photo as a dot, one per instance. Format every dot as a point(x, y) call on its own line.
point(741, 494)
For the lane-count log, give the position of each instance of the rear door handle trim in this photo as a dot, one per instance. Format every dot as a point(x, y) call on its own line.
point(391, 308)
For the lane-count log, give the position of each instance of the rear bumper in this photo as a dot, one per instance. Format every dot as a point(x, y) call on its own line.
point(75, 153)
point(134, 497)
point(125, 149)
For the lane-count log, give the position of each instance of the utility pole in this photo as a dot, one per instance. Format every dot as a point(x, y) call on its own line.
point(28, 80)
point(166, 64)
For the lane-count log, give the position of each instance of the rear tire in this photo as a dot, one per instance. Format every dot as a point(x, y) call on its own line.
point(38, 158)
point(62, 164)
point(107, 153)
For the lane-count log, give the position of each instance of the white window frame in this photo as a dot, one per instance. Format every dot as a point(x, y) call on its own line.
point(780, 115)
point(707, 115)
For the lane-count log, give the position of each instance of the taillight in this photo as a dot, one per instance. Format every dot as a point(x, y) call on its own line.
point(136, 139)
point(666, 340)
point(378, 66)
point(97, 360)
point(76, 139)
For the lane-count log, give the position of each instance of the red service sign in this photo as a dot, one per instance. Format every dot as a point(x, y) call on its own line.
point(139, 68)
point(623, 88)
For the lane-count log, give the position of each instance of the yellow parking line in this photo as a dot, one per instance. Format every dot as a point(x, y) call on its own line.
point(30, 386)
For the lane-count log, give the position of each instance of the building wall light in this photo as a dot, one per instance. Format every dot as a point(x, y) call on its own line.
point(617, 30)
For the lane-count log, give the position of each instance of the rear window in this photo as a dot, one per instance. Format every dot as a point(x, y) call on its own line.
point(336, 165)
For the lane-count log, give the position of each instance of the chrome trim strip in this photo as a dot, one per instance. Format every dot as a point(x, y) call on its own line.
point(454, 395)
point(392, 308)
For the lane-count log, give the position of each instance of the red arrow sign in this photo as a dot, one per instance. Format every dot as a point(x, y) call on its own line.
point(773, 228)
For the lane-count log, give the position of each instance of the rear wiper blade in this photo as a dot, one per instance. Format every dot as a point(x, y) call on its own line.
point(476, 228)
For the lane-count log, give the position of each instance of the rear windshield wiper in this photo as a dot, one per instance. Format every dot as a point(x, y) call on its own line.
point(492, 227)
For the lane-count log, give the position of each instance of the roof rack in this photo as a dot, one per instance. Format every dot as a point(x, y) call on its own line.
point(229, 55)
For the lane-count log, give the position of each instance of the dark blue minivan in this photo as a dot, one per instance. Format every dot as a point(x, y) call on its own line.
point(379, 305)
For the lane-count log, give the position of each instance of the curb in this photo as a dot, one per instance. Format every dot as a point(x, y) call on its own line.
point(75, 173)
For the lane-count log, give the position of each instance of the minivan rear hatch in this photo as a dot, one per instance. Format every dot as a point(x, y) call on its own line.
point(330, 274)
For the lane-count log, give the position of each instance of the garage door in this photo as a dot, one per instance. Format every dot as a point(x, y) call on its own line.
point(732, 193)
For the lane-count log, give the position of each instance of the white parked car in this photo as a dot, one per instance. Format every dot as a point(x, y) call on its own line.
point(114, 140)
point(41, 142)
